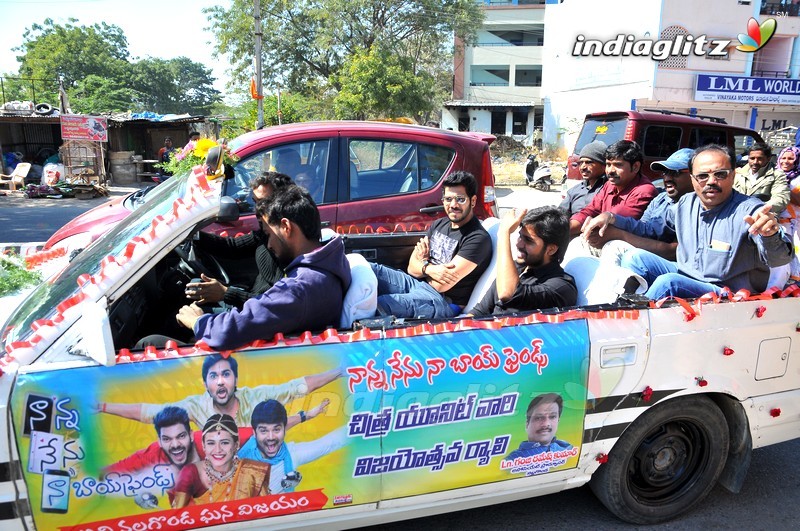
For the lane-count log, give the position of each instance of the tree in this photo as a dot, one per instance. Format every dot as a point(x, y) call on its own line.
point(96, 95)
point(71, 53)
point(378, 85)
point(93, 62)
point(309, 44)
point(174, 85)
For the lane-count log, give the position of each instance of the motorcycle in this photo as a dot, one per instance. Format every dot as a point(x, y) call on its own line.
point(542, 178)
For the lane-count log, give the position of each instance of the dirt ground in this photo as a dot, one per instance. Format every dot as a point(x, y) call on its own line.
point(513, 173)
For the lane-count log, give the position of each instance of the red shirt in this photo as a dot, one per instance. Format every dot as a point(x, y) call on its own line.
point(630, 202)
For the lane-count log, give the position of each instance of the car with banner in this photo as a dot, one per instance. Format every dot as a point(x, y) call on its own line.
point(365, 176)
point(652, 404)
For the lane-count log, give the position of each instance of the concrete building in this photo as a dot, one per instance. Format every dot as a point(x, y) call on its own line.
point(497, 82)
point(758, 89)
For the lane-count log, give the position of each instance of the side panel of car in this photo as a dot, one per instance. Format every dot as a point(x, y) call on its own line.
point(389, 417)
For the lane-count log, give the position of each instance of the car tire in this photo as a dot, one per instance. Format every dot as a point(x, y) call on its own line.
point(665, 463)
point(43, 109)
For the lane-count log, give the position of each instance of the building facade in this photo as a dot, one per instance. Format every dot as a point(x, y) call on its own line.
point(597, 59)
point(497, 83)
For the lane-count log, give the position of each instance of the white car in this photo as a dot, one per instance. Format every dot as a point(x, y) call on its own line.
point(652, 406)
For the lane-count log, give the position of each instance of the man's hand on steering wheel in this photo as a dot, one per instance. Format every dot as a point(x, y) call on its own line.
point(209, 291)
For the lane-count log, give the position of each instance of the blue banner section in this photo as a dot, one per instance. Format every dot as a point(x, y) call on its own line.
point(716, 87)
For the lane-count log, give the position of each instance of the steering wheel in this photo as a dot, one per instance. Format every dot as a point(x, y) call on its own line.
point(192, 263)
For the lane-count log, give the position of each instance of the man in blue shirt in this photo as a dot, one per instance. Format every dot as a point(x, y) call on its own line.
point(725, 238)
point(541, 425)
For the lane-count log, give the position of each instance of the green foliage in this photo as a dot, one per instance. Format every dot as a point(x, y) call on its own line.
point(93, 63)
point(382, 85)
point(14, 276)
point(308, 45)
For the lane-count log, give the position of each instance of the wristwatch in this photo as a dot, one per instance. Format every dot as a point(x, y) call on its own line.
point(425, 265)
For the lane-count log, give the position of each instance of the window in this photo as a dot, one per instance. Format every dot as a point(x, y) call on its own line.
point(701, 137)
point(305, 162)
point(661, 141)
point(382, 168)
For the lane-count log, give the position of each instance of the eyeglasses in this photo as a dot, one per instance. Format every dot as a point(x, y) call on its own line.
point(460, 199)
point(719, 175)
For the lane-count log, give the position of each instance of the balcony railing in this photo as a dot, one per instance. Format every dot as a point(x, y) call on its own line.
point(770, 73)
point(479, 84)
point(785, 8)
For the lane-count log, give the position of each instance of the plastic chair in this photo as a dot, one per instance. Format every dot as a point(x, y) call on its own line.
point(17, 177)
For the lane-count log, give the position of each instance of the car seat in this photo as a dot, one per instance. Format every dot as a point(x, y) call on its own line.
point(353, 180)
point(485, 280)
point(361, 299)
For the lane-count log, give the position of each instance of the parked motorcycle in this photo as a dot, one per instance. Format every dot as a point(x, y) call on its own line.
point(542, 178)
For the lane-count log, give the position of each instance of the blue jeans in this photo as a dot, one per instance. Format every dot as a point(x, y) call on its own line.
point(663, 277)
point(402, 295)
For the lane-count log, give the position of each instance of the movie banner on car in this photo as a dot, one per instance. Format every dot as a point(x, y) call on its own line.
point(307, 427)
point(473, 407)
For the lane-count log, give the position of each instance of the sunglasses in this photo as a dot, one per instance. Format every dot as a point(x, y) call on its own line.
point(460, 199)
point(719, 175)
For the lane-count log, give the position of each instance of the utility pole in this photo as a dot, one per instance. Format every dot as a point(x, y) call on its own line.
point(260, 100)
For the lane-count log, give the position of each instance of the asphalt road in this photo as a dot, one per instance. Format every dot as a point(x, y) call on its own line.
point(768, 500)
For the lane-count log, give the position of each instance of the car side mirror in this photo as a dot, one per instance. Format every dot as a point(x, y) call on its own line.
point(228, 209)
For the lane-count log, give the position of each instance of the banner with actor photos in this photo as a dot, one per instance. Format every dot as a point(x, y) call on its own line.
point(107, 447)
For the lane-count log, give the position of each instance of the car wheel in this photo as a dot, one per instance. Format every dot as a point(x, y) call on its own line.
point(665, 463)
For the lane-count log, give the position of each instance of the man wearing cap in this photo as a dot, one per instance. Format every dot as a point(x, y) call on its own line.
point(725, 238)
point(592, 165)
point(627, 191)
point(651, 233)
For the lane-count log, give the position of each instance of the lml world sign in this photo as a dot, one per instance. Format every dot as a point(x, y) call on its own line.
point(743, 89)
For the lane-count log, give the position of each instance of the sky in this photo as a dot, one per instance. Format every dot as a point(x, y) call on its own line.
point(154, 28)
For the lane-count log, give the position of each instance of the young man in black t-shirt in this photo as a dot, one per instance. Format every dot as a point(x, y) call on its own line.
point(445, 265)
point(530, 278)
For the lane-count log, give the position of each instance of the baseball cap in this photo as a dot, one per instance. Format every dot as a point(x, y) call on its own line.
point(676, 162)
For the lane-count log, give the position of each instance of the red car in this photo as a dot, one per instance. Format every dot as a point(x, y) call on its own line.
point(365, 176)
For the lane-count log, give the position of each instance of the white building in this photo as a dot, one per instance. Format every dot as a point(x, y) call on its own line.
point(497, 82)
point(746, 91)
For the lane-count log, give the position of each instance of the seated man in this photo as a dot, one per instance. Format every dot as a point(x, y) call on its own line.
point(308, 298)
point(759, 179)
point(254, 245)
point(651, 234)
point(725, 238)
point(592, 165)
point(531, 278)
point(307, 178)
point(445, 265)
point(627, 191)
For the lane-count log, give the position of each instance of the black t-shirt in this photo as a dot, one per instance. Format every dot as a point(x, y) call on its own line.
point(544, 287)
point(470, 242)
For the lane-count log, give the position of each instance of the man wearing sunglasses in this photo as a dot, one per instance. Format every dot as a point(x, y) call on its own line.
point(445, 265)
point(760, 179)
point(725, 238)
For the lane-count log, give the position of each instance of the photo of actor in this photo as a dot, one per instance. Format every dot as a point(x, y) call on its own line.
point(221, 476)
point(174, 446)
point(268, 445)
point(541, 425)
point(222, 396)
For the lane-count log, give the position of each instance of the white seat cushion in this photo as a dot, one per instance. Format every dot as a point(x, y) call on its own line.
point(485, 281)
point(361, 299)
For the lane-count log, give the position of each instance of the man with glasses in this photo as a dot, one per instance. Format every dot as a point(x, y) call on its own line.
point(592, 165)
point(445, 265)
point(725, 238)
point(761, 180)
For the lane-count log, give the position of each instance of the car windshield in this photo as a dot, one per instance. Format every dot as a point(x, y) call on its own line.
point(609, 131)
point(42, 303)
